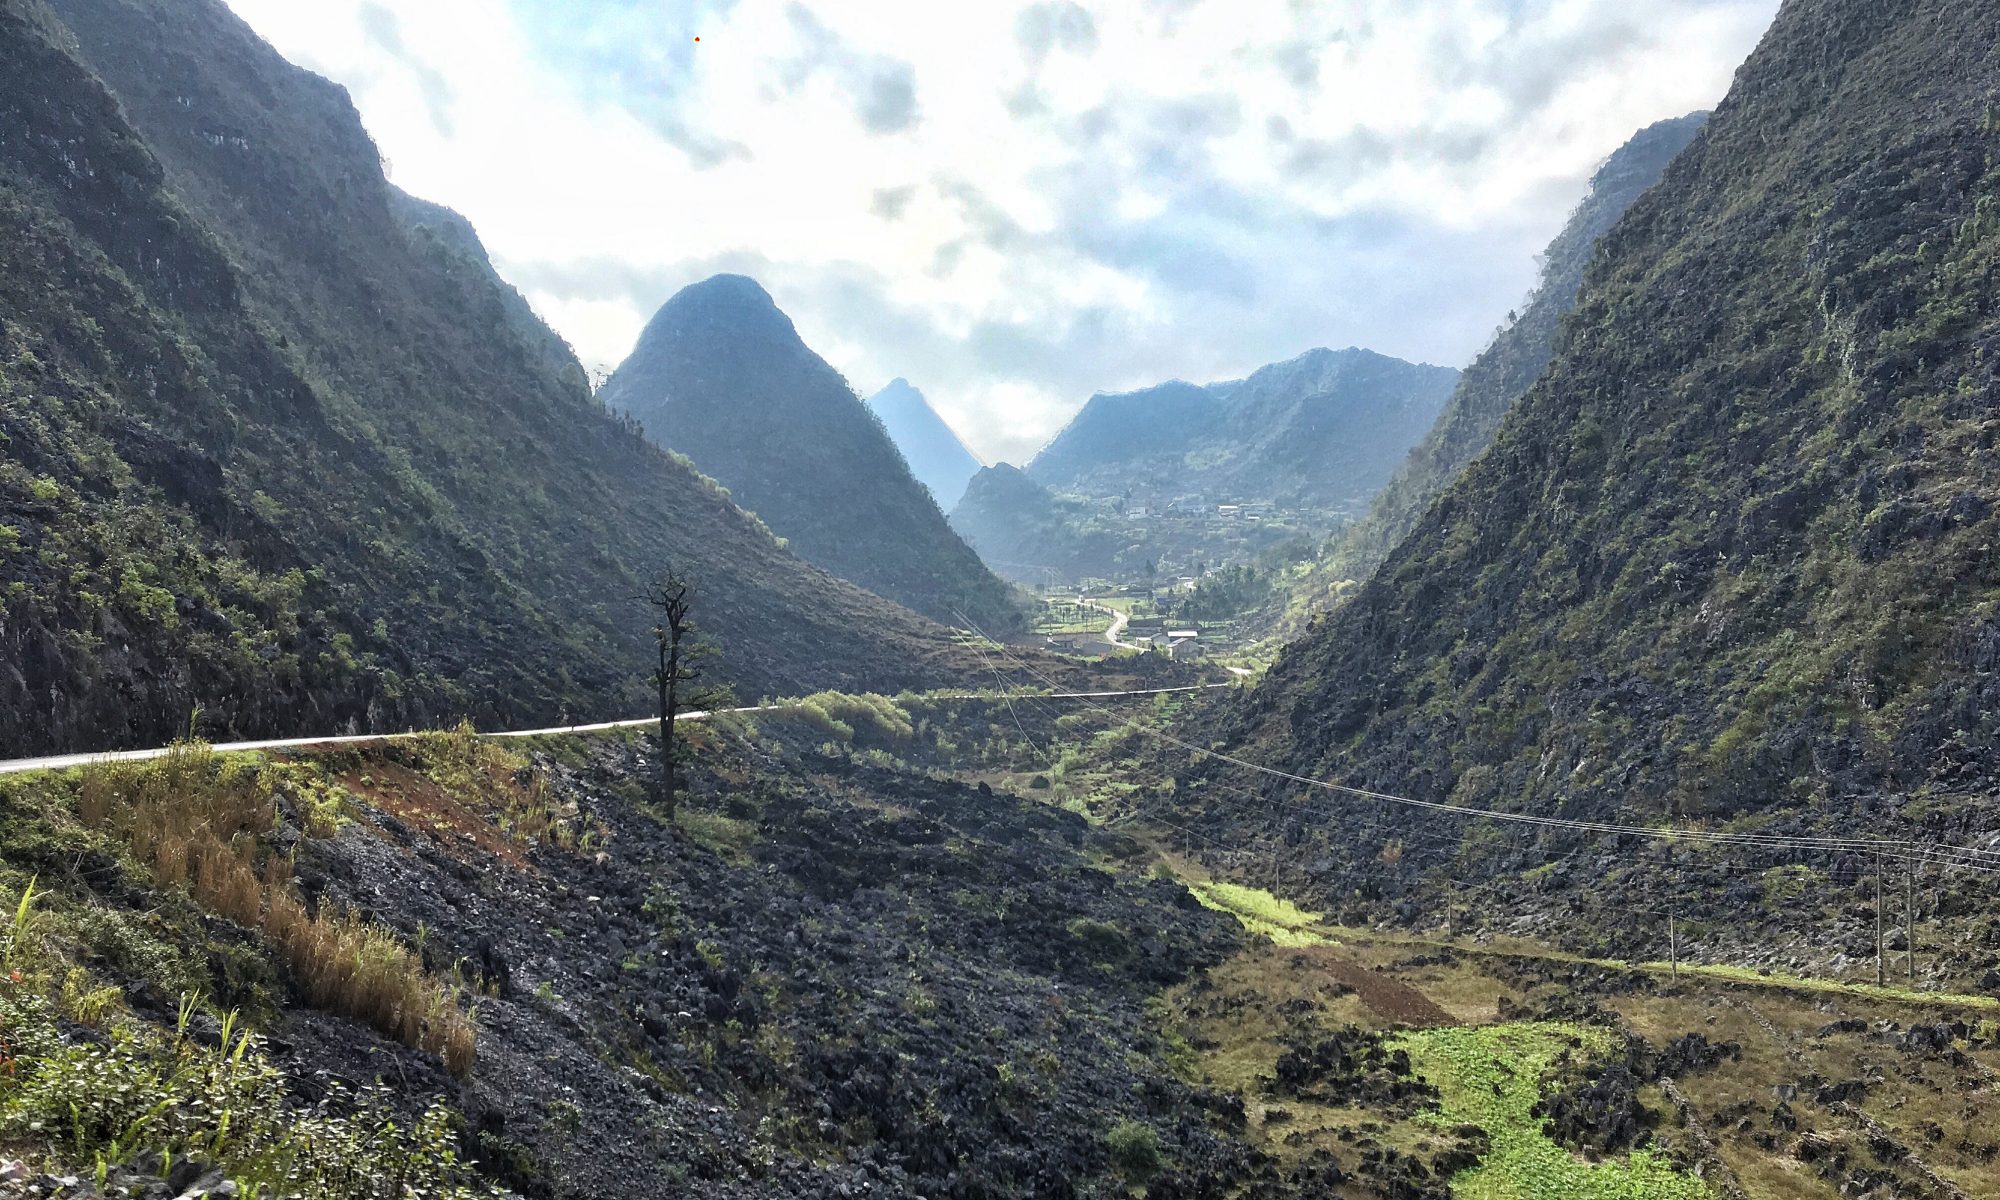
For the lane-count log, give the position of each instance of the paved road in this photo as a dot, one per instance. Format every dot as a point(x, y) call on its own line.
point(1119, 620)
point(59, 762)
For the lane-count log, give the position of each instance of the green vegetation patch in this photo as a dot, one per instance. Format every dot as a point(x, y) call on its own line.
point(1799, 983)
point(1274, 917)
point(1490, 1076)
point(131, 1091)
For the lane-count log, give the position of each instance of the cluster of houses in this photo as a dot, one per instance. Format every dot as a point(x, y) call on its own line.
point(1167, 636)
point(1199, 506)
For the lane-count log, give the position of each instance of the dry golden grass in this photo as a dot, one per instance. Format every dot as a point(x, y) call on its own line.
point(196, 820)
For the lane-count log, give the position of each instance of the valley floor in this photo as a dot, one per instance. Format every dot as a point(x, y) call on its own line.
point(942, 946)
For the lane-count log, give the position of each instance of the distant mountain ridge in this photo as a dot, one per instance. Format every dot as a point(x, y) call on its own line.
point(939, 460)
point(280, 445)
point(1322, 430)
point(721, 375)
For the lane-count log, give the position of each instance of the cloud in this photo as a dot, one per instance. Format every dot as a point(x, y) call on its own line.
point(1057, 25)
point(883, 90)
point(1018, 203)
point(385, 32)
point(891, 203)
point(887, 101)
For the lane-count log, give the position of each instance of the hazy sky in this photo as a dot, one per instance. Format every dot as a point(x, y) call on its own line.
point(1016, 204)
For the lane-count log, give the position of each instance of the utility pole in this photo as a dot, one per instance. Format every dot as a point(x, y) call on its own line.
point(1910, 914)
point(1673, 946)
point(1881, 958)
point(1673, 930)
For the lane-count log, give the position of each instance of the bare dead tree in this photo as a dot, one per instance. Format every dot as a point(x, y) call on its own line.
point(683, 650)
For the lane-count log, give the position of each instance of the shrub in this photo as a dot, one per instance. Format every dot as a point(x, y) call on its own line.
point(1102, 941)
point(144, 1092)
point(1135, 1150)
point(847, 715)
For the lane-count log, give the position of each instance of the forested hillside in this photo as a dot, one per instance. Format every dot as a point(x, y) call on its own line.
point(1030, 534)
point(721, 375)
point(279, 444)
point(1736, 551)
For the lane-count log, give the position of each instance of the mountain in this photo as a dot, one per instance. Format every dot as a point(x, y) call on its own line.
point(1734, 553)
point(936, 457)
point(1028, 533)
point(721, 376)
point(279, 444)
point(1115, 430)
point(1517, 356)
point(1324, 430)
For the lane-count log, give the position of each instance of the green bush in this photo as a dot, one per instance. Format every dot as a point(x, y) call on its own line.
point(1102, 941)
point(1135, 1150)
point(848, 717)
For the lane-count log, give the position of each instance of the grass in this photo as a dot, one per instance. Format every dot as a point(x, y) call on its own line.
point(1801, 983)
point(1490, 1076)
point(731, 837)
point(1273, 917)
point(196, 820)
point(85, 1105)
point(514, 795)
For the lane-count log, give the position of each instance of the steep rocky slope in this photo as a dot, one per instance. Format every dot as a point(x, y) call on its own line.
point(279, 444)
point(1517, 357)
point(829, 979)
point(1735, 552)
point(936, 456)
point(1324, 430)
point(720, 375)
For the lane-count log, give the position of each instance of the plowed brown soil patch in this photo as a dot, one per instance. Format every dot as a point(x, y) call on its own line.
point(418, 802)
point(1390, 999)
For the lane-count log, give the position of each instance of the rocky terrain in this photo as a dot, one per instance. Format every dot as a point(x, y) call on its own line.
point(826, 979)
point(1731, 559)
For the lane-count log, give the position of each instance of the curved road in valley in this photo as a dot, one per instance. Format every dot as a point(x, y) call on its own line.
point(58, 762)
point(1119, 620)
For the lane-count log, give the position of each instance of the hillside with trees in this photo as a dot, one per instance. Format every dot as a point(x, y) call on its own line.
point(1323, 431)
point(1733, 557)
point(1502, 373)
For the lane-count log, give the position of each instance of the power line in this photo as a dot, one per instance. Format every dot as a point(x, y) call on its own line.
point(1967, 856)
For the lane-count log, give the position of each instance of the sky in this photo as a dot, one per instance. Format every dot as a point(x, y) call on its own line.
point(1017, 203)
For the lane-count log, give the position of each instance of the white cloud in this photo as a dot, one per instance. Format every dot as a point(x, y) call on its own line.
point(1017, 203)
